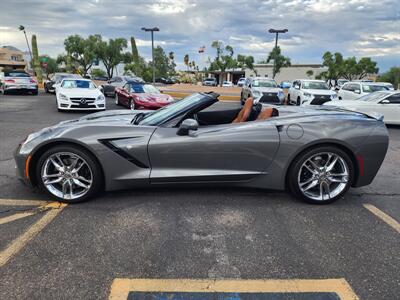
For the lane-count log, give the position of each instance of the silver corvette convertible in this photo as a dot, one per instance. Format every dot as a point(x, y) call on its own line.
point(316, 153)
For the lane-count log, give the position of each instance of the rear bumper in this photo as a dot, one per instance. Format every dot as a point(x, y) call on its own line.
point(20, 87)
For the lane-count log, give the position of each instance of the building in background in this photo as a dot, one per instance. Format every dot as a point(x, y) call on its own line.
point(295, 71)
point(12, 58)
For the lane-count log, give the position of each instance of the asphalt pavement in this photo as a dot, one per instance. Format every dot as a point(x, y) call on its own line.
point(77, 251)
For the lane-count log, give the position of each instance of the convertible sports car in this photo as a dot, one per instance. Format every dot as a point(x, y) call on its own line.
point(316, 153)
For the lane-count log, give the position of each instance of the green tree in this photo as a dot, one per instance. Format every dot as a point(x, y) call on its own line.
point(352, 69)
point(244, 62)
point(186, 60)
point(280, 61)
point(36, 63)
point(52, 65)
point(392, 76)
point(172, 64)
point(310, 73)
point(98, 73)
point(224, 59)
point(111, 53)
point(82, 51)
point(161, 62)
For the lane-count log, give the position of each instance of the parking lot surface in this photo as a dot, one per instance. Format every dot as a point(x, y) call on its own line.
point(88, 250)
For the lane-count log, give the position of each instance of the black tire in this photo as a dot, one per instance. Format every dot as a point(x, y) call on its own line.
point(293, 173)
point(288, 99)
point(35, 92)
point(298, 101)
point(97, 175)
point(46, 90)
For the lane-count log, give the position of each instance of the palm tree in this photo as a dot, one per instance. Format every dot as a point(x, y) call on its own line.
point(186, 60)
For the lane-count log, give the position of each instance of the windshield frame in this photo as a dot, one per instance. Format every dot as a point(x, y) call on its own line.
point(178, 110)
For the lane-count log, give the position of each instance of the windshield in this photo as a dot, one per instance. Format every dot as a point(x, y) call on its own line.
point(144, 88)
point(17, 74)
point(374, 96)
point(374, 88)
point(315, 85)
point(264, 83)
point(175, 109)
point(80, 84)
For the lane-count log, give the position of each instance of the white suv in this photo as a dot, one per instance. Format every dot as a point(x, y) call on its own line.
point(354, 90)
point(263, 89)
point(310, 92)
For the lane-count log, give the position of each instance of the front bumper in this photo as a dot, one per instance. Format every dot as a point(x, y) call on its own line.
point(69, 105)
point(22, 167)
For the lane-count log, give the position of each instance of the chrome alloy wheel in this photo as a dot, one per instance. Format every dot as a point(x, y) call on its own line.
point(132, 105)
point(323, 176)
point(66, 175)
point(116, 99)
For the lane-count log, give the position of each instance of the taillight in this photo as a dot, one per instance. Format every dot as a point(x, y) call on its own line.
point(9, 80)
point(33, 81)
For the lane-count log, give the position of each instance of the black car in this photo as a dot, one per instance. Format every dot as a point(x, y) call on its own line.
point(117, 81)
point(56, 78)
point(165, 80)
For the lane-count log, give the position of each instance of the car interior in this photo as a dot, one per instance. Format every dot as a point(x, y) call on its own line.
point(249, 112)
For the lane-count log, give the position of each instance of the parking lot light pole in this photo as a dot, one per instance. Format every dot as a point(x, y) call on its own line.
point(22, 28)
point(152, 48)
point(277, 32)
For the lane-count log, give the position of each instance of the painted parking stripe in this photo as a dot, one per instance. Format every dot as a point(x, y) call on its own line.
point(15, 217)
point(383, 216)
point(231, 289)
point(16, 202)
point(52, 210)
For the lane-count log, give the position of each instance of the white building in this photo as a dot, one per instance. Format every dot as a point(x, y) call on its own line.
point(295, 71)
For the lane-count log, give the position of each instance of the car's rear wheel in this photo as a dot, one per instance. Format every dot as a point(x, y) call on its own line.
point(117, 99)
point(35, 92)
point(69, 174)
point(288, 99)
point(321, 175)
point(298, 101)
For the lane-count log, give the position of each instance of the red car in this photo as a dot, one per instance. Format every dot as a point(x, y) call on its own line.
point(136, 95)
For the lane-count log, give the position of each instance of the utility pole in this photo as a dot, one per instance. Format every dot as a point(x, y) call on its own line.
point(152, 48)
point(277, 32)
point(22, 28)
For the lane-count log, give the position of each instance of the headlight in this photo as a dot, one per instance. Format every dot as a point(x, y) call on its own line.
point(334, 96)
point(100, 98)
point(62, 97)
point(256, 93)
point(307, 95)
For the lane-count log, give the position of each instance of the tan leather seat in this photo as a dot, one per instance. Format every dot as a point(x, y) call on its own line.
point(245, 111)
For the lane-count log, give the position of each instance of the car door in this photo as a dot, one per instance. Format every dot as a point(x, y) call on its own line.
point(390, 108)
point(124, 94)
point(229, 152)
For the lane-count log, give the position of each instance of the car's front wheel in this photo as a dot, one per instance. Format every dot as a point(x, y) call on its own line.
point(69, 174)
point(116, 99)
point(132, 104)
point(321, 175)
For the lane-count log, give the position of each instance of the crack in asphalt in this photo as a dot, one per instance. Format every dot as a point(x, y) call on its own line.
point(6, 159)
point(376, 194)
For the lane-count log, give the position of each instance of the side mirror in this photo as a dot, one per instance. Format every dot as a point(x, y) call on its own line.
point(385, 101)
point(186, 126)
point(357, 91)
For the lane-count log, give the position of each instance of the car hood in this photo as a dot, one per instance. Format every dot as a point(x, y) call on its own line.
point(77, 93)
point(267, 89)
point(154, 97)
point(319, 92)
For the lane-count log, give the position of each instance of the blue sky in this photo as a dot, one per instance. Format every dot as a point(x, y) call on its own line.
point(353, 27)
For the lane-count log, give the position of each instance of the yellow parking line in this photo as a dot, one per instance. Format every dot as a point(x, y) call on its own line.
point(16, 245)
point(16, 217)
point(16, 202)
point(383, 216)
point(120, 287)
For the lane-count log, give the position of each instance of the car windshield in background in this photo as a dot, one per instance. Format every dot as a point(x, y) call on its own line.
point(374, 96)
point(374, 88)
point(144, 88)
point(315, 85)
point(264, 83)
point(16, 74)
point(77, 84)
point(171, 110)
point(59, 78)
